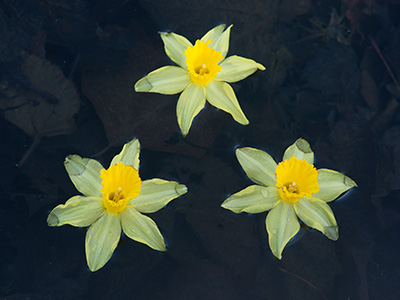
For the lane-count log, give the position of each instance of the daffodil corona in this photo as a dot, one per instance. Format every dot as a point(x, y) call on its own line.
point(120, 184)
point(113, 201)
point(295, 179)
point(202, 62)
point(203, 73)
point(292, 189)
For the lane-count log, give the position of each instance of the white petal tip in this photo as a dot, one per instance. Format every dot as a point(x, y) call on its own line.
point(181, 189)
point(303, 145)
point(332, 233)
point(52, 220)
point(143, 85)
point(349, 182)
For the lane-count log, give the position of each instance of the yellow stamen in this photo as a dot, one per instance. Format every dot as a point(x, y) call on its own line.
point(202, 62)
point(293, 187)
point(296, 178)
point(120, 185)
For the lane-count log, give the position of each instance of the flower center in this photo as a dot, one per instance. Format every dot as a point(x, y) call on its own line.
point(292, 187)
point(202, 62)
point(296, 178)
point(120, 184)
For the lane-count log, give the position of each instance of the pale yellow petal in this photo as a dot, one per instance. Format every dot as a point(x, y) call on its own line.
point(190, 103)
point(317, 214)
point(175, 46)
point(300, 149)
point(156, 193)
point(236, 68)
point(85, 174)
point(258, 165)
point(129, 155)
point(332, 184)
point(167, 80)
point(101, 240)
point(142, 229)
point(213, 35)
point(253, 199)
point(282, 225)
point(222, 96)
point(79, 211)
point(222, 44)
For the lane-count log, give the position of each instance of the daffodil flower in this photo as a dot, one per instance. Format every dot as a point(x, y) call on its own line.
point(113, 201)
point(202, 74)
point(292, 189)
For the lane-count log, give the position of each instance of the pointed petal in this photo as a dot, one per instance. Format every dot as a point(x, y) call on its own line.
point(222, 44)
point(175, 46)
point(213, 35)
point(85, 174)
point(190, 103)
point(166, 80)
point(253, 199)
point(236, 68)
point(332, 184)
point(78, 211)
point(219, 38)
point(156, 193)
point(317, 214)
point(101, 240)
point(129, 155)
point(258, 165)
point(222, 96)
point(282, 225)
point(300, 149)
point(142, 229)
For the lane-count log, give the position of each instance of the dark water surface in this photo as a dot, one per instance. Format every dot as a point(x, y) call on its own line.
point(66, 87)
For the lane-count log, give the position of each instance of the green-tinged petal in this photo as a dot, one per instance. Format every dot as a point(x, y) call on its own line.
point(258, 165)
point(156, 193)
point(129, 155)
point(78, 211)
point(236, 68)
point(332, 184)
point(190, 103)
point(282, 225)
point(142, 229)
point(253, 199)
point(317, 214)
point(101, 240)
point(213, 35)
point(222, 44)
point(222, 96)
point(166, 80)
point(85, 174)
point(175, 46)
point(300, 149)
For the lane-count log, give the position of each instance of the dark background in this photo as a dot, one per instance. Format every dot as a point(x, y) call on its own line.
point(67, 70)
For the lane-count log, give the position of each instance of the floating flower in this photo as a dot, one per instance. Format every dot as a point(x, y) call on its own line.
point(202, 75)
point(113, 201)
point(292, 189)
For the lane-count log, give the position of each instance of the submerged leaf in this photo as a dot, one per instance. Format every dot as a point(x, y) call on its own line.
point(47, 103)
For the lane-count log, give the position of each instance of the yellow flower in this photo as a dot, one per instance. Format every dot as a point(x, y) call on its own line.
point(203, 74)
point(292, 189)
point(113, 201)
